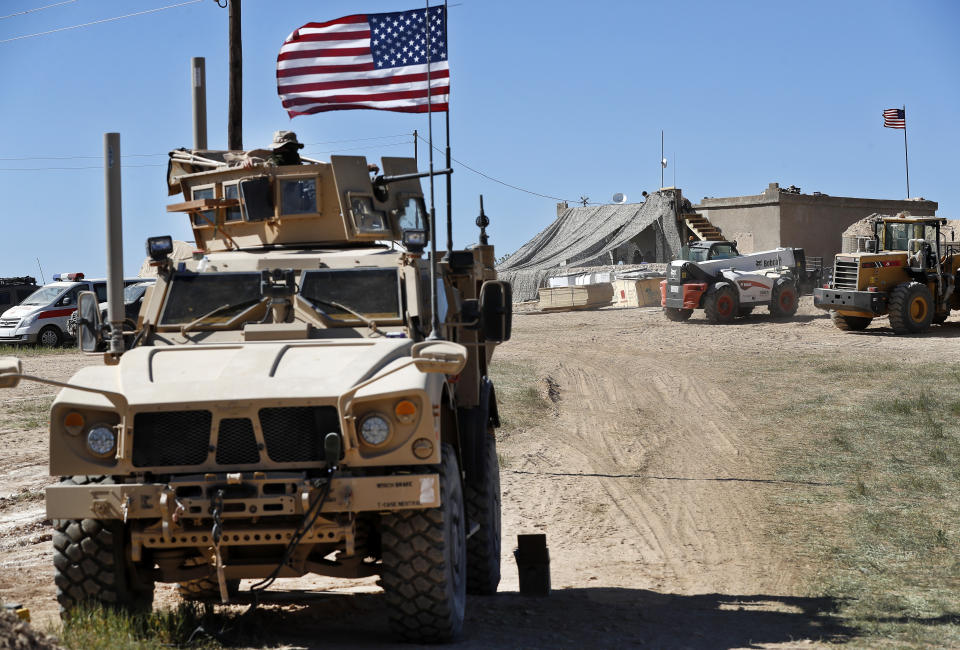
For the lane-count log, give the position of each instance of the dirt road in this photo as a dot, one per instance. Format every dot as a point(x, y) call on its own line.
point(645, 471)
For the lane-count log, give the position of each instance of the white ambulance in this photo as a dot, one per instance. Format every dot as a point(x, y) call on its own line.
point(42, 316)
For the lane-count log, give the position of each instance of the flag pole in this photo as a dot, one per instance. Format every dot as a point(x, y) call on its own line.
point(446, 18)
point(434, 316)
point(906, 158)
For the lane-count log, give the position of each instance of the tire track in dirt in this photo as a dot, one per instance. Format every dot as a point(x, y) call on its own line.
point(679, 533)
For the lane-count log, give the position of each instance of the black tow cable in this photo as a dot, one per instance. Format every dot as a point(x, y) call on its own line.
point(332, 448)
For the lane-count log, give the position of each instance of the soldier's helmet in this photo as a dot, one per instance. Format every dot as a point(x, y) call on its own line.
point(283, 138)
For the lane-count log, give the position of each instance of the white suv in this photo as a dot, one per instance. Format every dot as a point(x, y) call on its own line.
point(42, 316)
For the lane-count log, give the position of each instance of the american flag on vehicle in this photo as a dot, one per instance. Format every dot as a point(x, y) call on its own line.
point(895, 118)
point(366, 61)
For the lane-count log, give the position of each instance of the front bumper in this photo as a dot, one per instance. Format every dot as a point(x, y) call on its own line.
point(254, 509)
point(245, 495)
point(17, 335)
point(868, 302)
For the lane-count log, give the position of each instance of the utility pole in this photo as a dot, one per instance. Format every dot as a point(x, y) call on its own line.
point(199, 85)
point(235, 119)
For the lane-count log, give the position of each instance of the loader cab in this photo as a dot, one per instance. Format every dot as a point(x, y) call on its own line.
point(907, 234)
point(704, 251)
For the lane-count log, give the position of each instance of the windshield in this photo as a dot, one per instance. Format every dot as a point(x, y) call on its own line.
point(897, 236)
point(192, 295)
point(334, 293)
point(43, 296)
point(374, 293)
point(133, 292)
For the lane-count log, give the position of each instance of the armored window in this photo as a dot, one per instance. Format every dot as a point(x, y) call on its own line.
point(365, 218)
point(206, 218)
point(232, 191)
point(256, 200)
point(412, 215)
point(220, 296)
point(374, 293)
point(298, 196)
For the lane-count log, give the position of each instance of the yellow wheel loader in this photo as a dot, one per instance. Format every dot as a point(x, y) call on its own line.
point(907, 271)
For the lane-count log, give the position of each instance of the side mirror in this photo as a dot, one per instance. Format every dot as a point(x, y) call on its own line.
point(10, 371)
point(89, 335)
point(439, 356)
point(496, 310)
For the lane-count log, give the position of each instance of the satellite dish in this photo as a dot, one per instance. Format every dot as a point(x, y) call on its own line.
point(619, 197)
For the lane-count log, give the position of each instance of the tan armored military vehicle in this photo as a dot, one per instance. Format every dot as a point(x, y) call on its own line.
point(281, 408)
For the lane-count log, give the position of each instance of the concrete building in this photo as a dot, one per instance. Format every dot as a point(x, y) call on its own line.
point(785, 217)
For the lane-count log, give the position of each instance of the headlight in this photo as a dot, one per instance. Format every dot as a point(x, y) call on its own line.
point(374, 429)
point(28, 320)
point(101, 440)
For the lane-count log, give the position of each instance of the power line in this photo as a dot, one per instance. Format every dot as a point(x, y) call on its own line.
point(102, 20)
point(41, 169)
point(44, 169)
point(149, 155)
point(30, 11)
point(497, 180)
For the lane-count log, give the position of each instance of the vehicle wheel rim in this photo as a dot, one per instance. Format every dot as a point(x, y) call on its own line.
point(786, 300)
point(918, 309)
point(725, 306)
point(49, 338)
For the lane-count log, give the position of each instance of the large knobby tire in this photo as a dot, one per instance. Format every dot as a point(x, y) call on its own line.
point(50, 337)
point(911, 308)
point(722, 305)
point(784, 299)
point(206, 589)
point(482, 501)
point(91, 563)
point(676, 314)
point(424, 569)
point(849, 323)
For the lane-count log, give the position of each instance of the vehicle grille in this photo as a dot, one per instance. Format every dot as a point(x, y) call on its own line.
point(236, 442)
point(9, 322)
point(845, 274)
point(295, 434)
point(171, 438)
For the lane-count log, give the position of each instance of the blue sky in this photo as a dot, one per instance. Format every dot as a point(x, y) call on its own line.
point(560, 98)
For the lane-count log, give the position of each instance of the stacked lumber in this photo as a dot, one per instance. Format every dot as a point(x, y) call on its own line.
point(587, 296)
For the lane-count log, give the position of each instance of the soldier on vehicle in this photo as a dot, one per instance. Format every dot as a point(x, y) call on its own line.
point(286, 149)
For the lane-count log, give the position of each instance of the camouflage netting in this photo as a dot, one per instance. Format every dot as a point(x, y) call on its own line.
point(582, 237)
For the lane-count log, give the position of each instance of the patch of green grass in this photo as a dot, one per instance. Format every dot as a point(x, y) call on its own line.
point(26, 351)
point(23, 496)
point(520, 400)
point(96, 628)
point(887, 540)
point(26, 414)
